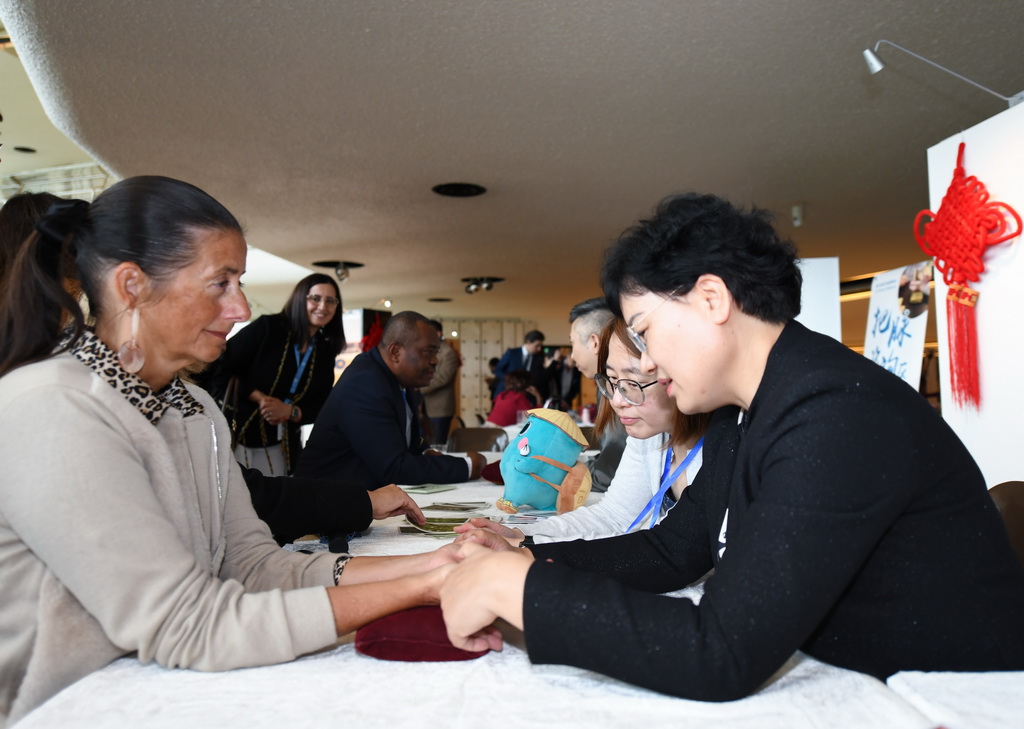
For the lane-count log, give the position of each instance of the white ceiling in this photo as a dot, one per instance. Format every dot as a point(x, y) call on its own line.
point(323, 124)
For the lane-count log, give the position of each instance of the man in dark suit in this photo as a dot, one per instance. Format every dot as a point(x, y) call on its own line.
point(529, 357)
point(367, 431)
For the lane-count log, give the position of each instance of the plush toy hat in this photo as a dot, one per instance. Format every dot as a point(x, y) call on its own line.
point(541, 467)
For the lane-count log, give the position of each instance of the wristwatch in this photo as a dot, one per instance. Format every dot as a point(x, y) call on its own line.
point(295, 413)
point(527, 542)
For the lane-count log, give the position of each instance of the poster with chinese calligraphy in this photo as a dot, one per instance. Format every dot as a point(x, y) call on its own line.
point(897, 317)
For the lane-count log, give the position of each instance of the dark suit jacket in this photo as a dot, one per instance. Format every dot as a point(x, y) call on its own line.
point(513, 360)
point(359, 435)
point(565, 394)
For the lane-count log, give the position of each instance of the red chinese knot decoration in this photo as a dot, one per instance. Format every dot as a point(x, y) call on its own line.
point(956, 237)
point(374, 336)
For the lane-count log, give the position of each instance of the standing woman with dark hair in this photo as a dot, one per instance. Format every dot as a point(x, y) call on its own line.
point(100, 437)
point(284, 368)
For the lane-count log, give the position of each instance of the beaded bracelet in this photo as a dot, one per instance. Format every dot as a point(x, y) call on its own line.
point(339, 566)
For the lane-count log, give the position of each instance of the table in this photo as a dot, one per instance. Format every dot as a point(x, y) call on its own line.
point(339, 687)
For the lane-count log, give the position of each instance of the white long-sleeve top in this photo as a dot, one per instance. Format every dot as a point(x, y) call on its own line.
point(636, 480)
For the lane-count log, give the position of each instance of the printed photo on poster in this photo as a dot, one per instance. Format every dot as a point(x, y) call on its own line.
point(897, 319)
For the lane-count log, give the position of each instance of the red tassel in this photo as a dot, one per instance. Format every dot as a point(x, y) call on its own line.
point(963, 345)
point(967, 223)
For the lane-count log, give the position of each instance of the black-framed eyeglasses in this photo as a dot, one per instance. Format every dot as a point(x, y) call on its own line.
point(631, 390)
point(317, 298)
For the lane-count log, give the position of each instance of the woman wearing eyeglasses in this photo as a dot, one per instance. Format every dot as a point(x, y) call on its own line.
point(662, 454)
point(283, 365)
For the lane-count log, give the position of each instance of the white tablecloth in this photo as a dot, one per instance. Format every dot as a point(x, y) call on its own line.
point(993, 700)
point(339, 687)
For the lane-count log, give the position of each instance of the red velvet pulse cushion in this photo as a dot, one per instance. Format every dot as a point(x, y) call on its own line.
point(417, 634)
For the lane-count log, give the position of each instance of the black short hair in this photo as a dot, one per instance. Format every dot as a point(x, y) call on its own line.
point(588, 307)
point(533, 335)
point(403, 328)
point(690, 235)
point(590, 316)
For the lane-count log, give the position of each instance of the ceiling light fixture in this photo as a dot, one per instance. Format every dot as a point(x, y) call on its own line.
point(459, 189)
point(875, 65)
point(342, 269)
point(477, 283)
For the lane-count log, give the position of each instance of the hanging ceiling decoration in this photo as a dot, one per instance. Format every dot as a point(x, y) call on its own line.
point(342, 269)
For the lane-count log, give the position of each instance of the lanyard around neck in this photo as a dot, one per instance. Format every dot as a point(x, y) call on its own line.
point(667, 479)
point(300, 368)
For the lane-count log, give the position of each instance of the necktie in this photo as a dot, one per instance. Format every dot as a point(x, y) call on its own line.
point(408, 418)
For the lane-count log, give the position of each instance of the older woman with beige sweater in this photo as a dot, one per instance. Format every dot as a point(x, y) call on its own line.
point(125, 525)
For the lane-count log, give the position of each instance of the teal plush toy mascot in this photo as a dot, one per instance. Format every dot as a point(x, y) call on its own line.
point(541, 468)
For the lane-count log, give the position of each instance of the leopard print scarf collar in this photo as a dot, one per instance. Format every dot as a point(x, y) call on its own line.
point(98, 357)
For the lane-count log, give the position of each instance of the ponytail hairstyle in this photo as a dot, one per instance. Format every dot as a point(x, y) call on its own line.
point(297, 314)
point(18, 218)
point(151, 221)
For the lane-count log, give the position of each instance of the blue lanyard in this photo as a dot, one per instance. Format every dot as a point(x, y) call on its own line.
point(654, 505)
point(301, 367)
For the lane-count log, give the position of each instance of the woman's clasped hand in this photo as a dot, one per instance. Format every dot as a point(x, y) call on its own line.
point(482, 587)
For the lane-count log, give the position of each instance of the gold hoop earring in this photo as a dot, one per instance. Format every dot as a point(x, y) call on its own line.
point(130, 355)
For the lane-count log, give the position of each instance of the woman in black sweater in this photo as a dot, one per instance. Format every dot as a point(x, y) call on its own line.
point(283, 365)
point(841, 515)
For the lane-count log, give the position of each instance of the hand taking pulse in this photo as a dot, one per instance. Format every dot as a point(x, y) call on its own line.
point(491, 534)
point(485, 586)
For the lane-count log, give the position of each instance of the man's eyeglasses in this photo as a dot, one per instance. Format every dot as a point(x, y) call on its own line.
point(631, 390)
point(638, 338)
point(317, 298)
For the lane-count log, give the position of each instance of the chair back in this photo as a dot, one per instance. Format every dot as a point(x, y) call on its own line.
point(1009, 498)
point(477, 439)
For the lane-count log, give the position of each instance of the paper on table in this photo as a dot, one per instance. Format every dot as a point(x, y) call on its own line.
point(429, 488)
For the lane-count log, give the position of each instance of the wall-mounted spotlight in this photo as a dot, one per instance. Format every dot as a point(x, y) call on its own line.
point(477, 283)
point(875, 65)
point(342, 269)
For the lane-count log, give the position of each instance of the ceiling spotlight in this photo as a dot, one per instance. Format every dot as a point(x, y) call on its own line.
point(342, 269)
point(477, 283)
point(875, 65)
